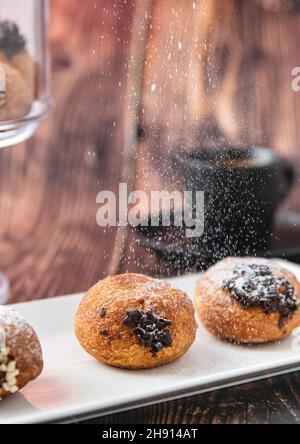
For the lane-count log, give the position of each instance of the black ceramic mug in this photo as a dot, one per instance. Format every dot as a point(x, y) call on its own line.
point(243, 189)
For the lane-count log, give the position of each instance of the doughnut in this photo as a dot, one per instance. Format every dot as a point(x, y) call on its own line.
point(17, 98)
point(132, 321)
point(18, 68)
point(248, 301)
point(25, 65)
point(20, 353)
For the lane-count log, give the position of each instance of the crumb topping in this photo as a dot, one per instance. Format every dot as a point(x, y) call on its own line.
point(151, 329)
point(255, 285)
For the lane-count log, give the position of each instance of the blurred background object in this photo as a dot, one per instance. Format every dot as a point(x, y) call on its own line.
point(24, 63)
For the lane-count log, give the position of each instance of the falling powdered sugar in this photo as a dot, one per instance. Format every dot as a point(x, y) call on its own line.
point(17, 339)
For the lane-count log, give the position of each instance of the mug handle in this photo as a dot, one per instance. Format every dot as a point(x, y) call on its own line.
point(289, 176)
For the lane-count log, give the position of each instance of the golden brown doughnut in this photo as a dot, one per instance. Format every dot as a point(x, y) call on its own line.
point(114, 315)
point(231, 313)
point(20, 353)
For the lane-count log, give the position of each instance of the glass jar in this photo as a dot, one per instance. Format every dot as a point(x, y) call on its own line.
point(24, 68)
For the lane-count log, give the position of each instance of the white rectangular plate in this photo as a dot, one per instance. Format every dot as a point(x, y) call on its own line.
point(74, 386)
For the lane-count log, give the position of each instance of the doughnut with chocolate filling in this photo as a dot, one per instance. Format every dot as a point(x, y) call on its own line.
point(249, 300)
point(135, 322)
point(20, 353)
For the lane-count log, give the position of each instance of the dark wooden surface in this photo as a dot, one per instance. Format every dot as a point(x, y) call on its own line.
point(49, 241)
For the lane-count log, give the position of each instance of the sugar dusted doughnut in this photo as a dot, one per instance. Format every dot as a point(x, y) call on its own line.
point(136, 322)
point(249, 300)
point(20, 353)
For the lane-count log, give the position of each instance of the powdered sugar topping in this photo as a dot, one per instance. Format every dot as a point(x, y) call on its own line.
point(10, 316)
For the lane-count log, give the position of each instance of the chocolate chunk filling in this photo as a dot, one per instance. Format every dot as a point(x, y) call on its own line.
point(255, 285)
point(11, 41)
point(150, 328)
point(102, 312)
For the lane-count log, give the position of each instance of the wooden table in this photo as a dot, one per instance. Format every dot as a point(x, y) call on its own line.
point(49, 241)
